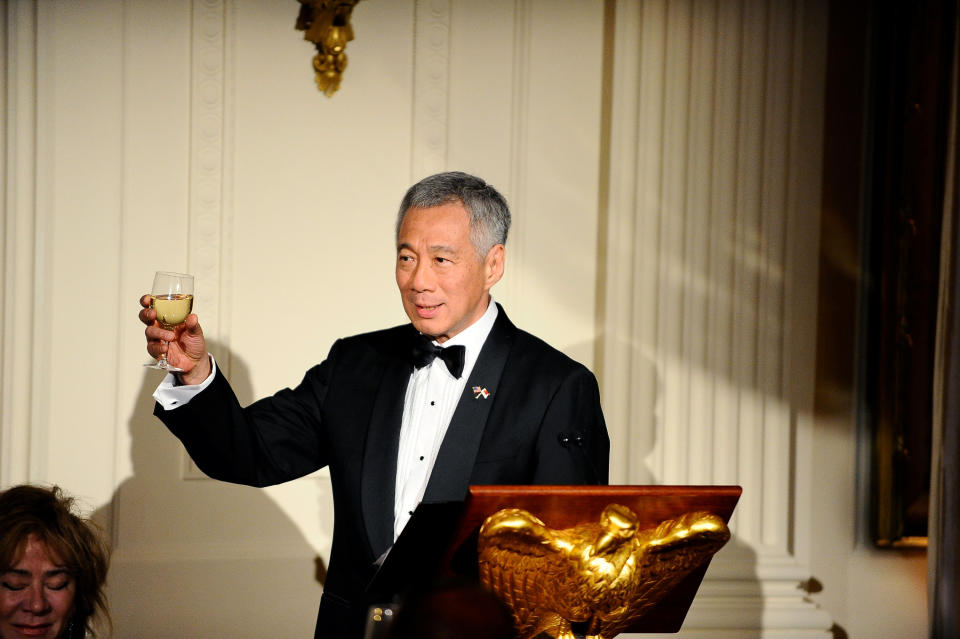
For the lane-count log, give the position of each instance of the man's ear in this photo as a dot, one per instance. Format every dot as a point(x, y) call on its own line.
point(493, 264)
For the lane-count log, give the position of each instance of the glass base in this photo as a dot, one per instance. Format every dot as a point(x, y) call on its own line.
point(163, 365)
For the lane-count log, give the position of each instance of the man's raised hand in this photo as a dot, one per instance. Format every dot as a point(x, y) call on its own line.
point(185, 346)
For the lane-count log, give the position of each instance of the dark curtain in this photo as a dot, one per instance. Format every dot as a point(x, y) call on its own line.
point(944, 549)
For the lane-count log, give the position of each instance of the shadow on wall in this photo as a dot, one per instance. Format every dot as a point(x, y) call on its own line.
point(193, 556)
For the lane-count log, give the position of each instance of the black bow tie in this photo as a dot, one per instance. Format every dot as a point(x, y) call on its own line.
point(425, 351)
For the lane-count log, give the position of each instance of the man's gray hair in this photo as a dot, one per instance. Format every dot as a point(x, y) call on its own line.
point(488, 210)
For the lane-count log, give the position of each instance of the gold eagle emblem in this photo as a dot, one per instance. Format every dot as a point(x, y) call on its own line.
point(602, 576)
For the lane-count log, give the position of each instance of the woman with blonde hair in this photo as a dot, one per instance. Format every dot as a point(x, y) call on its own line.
point(53, 567)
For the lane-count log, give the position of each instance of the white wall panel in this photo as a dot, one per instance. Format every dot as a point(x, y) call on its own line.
point(80, 216)
point(669, 243)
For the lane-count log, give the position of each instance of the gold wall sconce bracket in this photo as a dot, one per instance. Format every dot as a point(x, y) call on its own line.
point(326, 23)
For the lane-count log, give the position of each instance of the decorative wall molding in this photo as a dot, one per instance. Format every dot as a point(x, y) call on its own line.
point(428, 153)
point(17, 266)
point(24, 305)
point(210, 221)
point(205, 237)
point(519, 147)
point(200, 551)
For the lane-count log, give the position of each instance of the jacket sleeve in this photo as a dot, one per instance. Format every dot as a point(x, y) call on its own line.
point(271, 441)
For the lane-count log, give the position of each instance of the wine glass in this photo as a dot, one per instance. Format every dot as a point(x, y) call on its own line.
point(172, 298)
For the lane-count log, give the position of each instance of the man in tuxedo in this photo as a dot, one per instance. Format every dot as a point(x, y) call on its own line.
point(407, 415)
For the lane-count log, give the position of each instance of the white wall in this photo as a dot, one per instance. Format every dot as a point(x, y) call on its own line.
point(666, 202)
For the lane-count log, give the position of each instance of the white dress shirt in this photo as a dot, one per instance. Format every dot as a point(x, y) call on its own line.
point(169, 395)
point(431, 398)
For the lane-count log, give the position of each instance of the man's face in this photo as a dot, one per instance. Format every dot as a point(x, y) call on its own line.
point(444, 285)
point(36, 594)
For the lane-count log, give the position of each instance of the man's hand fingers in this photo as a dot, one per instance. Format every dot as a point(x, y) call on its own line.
point(156, 334)
point(156, 347)
point(147, 315)
point(184, 346)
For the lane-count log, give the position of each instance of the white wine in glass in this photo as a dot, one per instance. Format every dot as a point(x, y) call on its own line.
point(172, 298)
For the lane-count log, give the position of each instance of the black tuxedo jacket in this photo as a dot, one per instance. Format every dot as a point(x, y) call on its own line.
point(539, 422)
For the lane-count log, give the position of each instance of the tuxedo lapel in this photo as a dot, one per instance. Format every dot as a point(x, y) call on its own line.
point(450, 478)
point(379, 473)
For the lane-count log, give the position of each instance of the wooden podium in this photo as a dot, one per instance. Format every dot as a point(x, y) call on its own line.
point(441, 538)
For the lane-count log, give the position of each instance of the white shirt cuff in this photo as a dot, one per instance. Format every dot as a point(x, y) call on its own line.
point(171, 396)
